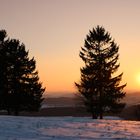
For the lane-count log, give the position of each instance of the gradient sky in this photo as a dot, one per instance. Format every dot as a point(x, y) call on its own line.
point(54, 30)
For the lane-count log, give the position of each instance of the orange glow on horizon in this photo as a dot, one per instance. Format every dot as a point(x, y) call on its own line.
point(56, 30)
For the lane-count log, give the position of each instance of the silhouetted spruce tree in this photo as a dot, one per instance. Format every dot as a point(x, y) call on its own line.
point(21, 89)
point(3, 72)
point(101, 91)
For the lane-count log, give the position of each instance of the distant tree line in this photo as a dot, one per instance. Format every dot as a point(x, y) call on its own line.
point(20, 89)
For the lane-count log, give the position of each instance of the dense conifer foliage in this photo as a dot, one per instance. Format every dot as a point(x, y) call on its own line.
point(101, 90)
point(20, 89)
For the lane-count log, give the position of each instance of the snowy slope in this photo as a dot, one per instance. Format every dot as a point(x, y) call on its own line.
point(67, 128)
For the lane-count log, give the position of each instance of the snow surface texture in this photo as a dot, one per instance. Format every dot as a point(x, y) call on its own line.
point(67, 128)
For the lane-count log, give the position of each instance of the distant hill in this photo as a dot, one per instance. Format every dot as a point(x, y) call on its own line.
point(71, 100)
point(73, 106)
point(62, 102)
point(132, 98)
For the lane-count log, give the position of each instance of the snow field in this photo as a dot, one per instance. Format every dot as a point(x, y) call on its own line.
point(67, 128)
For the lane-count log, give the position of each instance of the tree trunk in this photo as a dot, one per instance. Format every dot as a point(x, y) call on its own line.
point(101, 103)
point(101, 115)
point(94, 116)
point(8, 111)
point(16, 113)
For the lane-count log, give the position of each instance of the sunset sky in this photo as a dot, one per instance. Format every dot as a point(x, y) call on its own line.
point(54, 30)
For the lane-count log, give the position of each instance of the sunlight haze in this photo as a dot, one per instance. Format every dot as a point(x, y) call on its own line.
point(54, 30)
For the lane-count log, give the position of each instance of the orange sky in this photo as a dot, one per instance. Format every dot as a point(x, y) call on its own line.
point(54, 31)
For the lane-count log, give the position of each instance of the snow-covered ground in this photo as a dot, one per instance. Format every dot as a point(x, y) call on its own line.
point(67, 128)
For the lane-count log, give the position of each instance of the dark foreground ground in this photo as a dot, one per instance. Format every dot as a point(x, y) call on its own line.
point(129, 113)
point(56, 111)
point(55, 107)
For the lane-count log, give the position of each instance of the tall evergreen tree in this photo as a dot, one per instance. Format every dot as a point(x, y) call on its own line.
point(21, 87)
point(3, 71)
point(101, 91)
